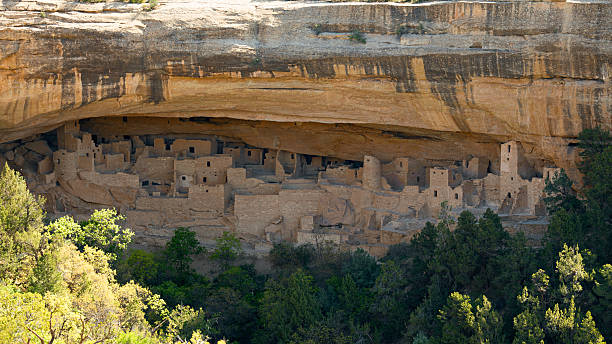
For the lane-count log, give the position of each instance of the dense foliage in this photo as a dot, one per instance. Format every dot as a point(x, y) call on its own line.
point(58, 281)
point(463, 280)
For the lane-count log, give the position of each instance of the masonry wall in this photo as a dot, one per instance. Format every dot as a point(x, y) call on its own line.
point(65, 164)
point(120, 179)
point(183, 188)
point(253, 156)
point(439, 190)
point(255, 212)
point(158, 169)
point(122, 147)
point(509, 158)
point(72, 143)
point(270, 161)
point(236, 178)
point(204, 198)
point(475, 168)
point(185, 167)
point(236, 154)
point(341, 174)
point(220, 162)
point(172, 210)
point(490, 191)
point(372, 173)
point(86, 162)
point(69, 129)
point(114, 161)
point(293, 205)
point(192, 147)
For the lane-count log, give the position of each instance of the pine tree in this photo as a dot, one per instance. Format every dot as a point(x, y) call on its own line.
point(21, 215)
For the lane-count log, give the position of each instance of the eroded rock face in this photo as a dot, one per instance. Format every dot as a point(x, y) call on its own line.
point(535, 72)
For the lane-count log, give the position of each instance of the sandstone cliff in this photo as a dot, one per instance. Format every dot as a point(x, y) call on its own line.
point(441, 80)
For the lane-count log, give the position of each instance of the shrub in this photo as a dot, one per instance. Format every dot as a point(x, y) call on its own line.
point(227, 250)
point(152, 5)
point(317, 29)
point(357, 36)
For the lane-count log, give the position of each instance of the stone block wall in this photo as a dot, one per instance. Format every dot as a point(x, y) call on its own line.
point(65, 164)
point(372, 173)
point(297, 203)
point(204, 197)
point(255, 212)
point(193, 148)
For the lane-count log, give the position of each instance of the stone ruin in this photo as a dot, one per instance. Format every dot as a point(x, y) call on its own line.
point(214, 184)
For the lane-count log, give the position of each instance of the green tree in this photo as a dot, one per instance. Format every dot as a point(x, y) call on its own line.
point(180, 248)
point(28, 317)
point(592, 142)
point(239, 278)
point(353, 301)
point(390, 301)
point(101, 231)
point(362, 267)
point(596, 167)
point(236, 316)
point(586, 332)
point(140, 266)
point(288, 305)
point(20, 228)
point(571, 273)
point(286, 256)
point(528, 329)
point(184, 322)
point(414, 259)
point(566, 227)
point(46, 277)
point(464, 321)
point(602, 303)
point(585, 219)
point(559, 194)
point(228, 248)
point(328, 331)
point(551, 315)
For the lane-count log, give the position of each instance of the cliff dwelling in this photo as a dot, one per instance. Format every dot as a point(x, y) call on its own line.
point(162, 174)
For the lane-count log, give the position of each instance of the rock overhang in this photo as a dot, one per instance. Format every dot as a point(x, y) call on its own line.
point(535, 72)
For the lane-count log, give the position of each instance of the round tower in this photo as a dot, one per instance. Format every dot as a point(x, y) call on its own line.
point(371, 173)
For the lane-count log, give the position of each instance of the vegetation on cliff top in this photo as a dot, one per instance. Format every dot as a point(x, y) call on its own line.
point(72, 282)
